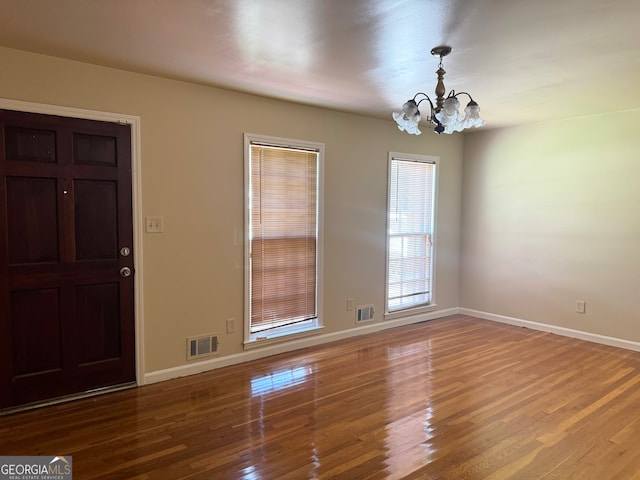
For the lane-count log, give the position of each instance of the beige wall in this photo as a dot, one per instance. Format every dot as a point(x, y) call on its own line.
point(551, 215)
point(192, 175)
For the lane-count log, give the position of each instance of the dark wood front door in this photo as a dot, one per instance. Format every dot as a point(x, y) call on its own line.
point(66, 309)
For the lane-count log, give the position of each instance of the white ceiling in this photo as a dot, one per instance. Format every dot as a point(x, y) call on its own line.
point(522, 60)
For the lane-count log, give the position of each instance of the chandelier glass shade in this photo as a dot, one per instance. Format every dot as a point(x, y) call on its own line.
point(445, 114)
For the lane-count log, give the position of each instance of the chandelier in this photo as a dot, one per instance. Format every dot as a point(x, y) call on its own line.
point(445, 114)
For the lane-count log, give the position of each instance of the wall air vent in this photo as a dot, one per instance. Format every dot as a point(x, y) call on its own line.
point(364, 313)
point(202, 346)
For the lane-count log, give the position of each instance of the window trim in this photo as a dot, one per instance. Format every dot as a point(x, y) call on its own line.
point(417, 309)
point(308, 327)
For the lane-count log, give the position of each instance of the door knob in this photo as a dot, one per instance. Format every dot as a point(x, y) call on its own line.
point(125, 272)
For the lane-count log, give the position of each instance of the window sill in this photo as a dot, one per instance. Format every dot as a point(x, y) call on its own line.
point(410, 312)
point(261, 339)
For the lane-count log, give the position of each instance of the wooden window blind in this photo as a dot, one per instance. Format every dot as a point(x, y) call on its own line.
point(283, 228)
point(410, 233)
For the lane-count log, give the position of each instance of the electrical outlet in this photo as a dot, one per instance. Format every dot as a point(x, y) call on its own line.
point(581, 306)
point(349, 304)
point(231, 325)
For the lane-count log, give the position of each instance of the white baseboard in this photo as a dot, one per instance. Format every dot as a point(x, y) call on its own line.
point(256, 353)
point(275, 349)
point(566, 332)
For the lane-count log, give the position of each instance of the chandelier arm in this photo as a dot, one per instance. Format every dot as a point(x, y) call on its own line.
point(453, 93)
point(427, 98)
point(421, 93)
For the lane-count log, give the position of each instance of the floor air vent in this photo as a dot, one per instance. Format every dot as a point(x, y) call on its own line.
point(202, 346)
point(364, 313)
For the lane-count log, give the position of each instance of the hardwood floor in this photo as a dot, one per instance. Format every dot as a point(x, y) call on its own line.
point(455, 398)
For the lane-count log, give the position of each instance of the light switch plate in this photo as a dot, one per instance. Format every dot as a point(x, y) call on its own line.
point(153, 224)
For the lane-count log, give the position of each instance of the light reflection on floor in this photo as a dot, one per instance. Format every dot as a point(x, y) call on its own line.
point(279, 380)
point(409, 440)
point(261, 388)
point(250, 473)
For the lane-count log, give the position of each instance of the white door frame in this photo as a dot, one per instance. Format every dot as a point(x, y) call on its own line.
point(136, 185)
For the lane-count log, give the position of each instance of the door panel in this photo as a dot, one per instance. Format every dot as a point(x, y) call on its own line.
point(66, 313)
point(99, 337)
point(32, 220)
point(30, 145)
point(35, 322)
point(94, 150)
point(96, 219)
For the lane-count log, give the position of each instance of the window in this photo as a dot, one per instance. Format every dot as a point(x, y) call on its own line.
point(283, 245)
point(410, 231)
